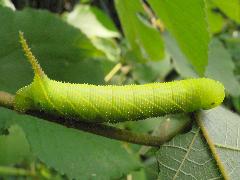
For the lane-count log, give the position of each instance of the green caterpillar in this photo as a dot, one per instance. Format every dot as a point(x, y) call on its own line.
point(92, 103)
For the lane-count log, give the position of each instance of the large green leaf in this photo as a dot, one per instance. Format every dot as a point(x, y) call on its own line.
point(65, 54)
point(210, 150)
point(186, 20)
point(221, 128)
point(61, 49)
point(145, 41)
point(78, 154)
point(230, 7)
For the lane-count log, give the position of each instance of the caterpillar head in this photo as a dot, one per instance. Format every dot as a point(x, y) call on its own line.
point(212, 94)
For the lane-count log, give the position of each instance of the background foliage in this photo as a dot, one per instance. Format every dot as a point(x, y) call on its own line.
point(122, 42)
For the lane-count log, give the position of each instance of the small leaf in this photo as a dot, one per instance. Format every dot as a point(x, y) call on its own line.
point(13, 147)
point(144, 40)
point(215, 19)
point(108, 46)
point(95, 24)
point(186, 20)
point(92, 21)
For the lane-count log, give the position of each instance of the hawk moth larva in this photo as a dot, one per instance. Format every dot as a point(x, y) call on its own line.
point(93, 103)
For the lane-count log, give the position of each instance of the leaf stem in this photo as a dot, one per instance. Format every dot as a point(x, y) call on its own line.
point(7, 100)
point(154, 20)
point(113, 71)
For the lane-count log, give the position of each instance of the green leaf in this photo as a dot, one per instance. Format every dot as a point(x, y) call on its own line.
point(221, 128)
point(221, 67)
point(151, 71)
point(180, 62)
point(7, 3)
point(210, 149)
point(95, 24)
point(62, 50)
point(215, 19)
point(77, 154)
point(231, 8)
point(92, 22)
point(13, 147)
point(186, 20)
point(108, 46)
point(145, 41)
point(187, 156)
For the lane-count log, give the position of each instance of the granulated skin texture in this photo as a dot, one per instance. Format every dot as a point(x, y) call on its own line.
point(92, 103)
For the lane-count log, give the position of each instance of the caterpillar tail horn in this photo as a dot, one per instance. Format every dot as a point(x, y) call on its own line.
point(31, 58)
